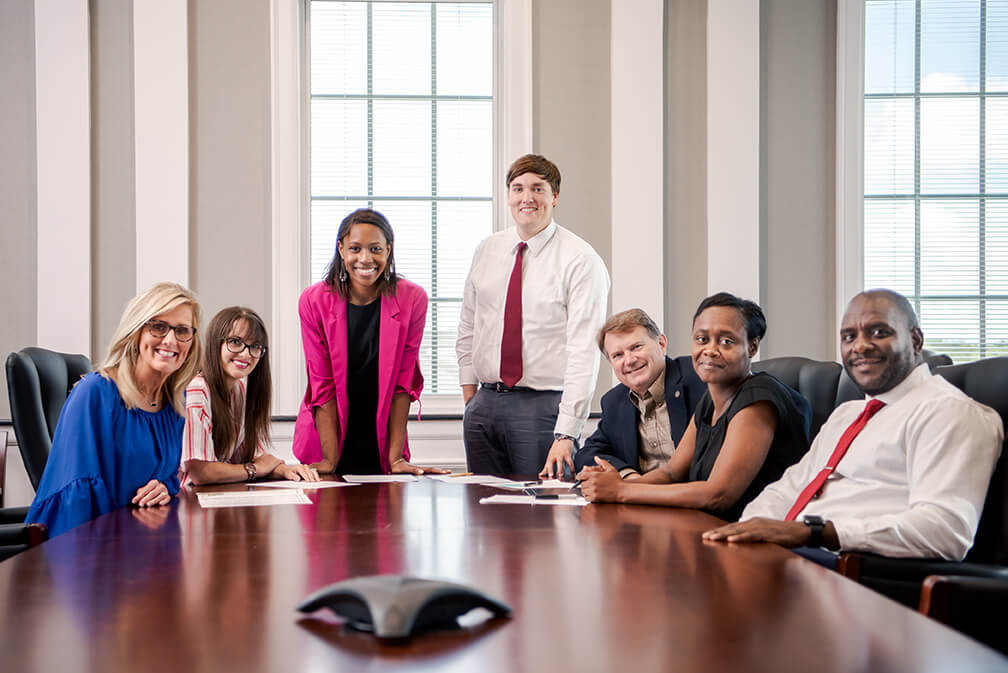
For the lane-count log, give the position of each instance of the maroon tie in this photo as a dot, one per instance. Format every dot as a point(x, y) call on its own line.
point(812, 490)
point(511, 339)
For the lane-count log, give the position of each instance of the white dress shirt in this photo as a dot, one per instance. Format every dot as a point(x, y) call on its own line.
point(565, 287)
point(913, 481)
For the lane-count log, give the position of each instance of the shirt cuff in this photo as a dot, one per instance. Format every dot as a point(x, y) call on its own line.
point(566, 425)
point(627, 471)
point(467, 376)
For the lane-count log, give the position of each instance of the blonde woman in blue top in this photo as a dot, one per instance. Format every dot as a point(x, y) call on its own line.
point(119, 436)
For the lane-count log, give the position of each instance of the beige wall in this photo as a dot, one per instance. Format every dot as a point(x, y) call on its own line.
point(17, 182)
point(685, 167)
point(798, 80)
point(113, 208)
point(229, 180)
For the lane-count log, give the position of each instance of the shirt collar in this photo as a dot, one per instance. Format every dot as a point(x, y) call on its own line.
point(920, 374)
point(656, 390)
point(537, 242)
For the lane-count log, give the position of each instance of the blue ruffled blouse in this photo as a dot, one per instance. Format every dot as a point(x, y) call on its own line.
point(102, 453)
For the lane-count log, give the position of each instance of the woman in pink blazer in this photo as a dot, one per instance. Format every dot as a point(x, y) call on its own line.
point(361, 328)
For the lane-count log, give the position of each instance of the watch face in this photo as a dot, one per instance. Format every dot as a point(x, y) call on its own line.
point(813, 520)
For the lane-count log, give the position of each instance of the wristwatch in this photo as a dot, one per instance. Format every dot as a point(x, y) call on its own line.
point(559, 435)
point(815, 524)
point(250, 469)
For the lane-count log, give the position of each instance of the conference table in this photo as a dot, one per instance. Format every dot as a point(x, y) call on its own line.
point(596, 588)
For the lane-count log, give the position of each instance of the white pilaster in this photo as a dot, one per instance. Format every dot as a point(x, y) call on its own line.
point(63, 187)
point(637, 147)
point(161, 140)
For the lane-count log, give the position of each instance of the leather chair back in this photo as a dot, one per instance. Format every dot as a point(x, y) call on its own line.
point(935, 359)
point(986, 381)
point(38, 382)
point(814, 379)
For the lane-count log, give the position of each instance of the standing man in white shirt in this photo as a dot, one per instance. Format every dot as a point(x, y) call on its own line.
point(534, 301)
point(903, 472)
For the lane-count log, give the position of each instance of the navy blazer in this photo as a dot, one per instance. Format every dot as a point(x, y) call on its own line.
point(616, 437)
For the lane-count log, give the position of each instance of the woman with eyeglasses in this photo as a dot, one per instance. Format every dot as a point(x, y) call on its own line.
point(228, 407)
point(119, 434)
point(361, 328)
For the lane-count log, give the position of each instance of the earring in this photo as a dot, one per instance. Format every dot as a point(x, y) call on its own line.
point(389, 270)
point(387, 274)
point(343, 272)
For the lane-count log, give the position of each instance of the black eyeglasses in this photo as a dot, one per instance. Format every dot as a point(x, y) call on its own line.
point(236, 345)
point(160, 328)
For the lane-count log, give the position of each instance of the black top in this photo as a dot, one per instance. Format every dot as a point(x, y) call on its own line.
point(789, 444)
point(360, 448)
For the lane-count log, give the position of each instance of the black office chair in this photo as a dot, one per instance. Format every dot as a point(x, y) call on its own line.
point(901, 579)
point(38, 382)
point(17, 537)
point(814, 379)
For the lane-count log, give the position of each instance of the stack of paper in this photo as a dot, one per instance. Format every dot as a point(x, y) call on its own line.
point(253, 498)
point(501, 499)
point(378, 478)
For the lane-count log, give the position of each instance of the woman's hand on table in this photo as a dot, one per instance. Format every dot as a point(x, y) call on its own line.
point(324, 466)
point(601, 485)
point(152, 494)
point(299, 472)
point(402, 466)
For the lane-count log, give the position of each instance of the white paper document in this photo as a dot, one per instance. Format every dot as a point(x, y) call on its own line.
point(501, 499)
point(378, 478)
point(253, 498)
point(301, 484)
point(470, 479)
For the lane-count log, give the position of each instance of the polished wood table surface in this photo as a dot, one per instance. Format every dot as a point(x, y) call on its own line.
point(600, 588)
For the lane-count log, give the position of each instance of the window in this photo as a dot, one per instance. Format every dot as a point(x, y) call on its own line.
point(401, 120)
point(936, 166)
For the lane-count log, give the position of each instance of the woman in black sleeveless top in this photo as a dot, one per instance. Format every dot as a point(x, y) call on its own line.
point(746, 430)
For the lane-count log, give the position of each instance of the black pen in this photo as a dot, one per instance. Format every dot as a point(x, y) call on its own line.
point(556, 496)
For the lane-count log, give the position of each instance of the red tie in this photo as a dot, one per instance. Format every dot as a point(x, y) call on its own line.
point(812, 490)
point(511, 339)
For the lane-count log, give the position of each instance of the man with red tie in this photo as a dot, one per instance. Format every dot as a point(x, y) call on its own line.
point(534, 300)
point(903, 472)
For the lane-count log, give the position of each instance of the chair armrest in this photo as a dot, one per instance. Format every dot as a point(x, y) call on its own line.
point(857, 566)
point(971, 605)
point(17, 537)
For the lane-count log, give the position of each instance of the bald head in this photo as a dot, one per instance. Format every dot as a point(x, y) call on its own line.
point(880, 340)
point(898, 302)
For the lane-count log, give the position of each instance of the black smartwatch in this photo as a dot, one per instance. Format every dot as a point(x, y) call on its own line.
point(815, 524)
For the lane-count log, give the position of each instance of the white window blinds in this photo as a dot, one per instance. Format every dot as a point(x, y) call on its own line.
point(936, 166)
point(402, 121)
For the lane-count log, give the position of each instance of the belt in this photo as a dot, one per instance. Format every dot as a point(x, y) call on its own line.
point(501, 388)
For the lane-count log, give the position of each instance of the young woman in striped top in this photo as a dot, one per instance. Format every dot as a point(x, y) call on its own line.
point(228, 407)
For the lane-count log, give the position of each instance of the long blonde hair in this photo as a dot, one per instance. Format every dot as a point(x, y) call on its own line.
point(120, 363)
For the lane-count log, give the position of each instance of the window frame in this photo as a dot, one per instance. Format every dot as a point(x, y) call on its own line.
point(289, 164)
point(850, 197)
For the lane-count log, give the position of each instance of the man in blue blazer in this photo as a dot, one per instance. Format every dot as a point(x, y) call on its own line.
point(645, 416)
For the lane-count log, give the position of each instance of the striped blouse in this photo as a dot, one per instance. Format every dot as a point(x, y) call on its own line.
point(197, 440)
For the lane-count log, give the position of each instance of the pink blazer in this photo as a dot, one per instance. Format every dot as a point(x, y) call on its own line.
point(324, 336)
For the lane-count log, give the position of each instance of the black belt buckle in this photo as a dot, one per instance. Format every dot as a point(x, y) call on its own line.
point(498, 387)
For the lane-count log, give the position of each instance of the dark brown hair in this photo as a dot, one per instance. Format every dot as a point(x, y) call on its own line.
point(538, 164)
point(259, 386)
point(362, 216)
point(626, 321)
